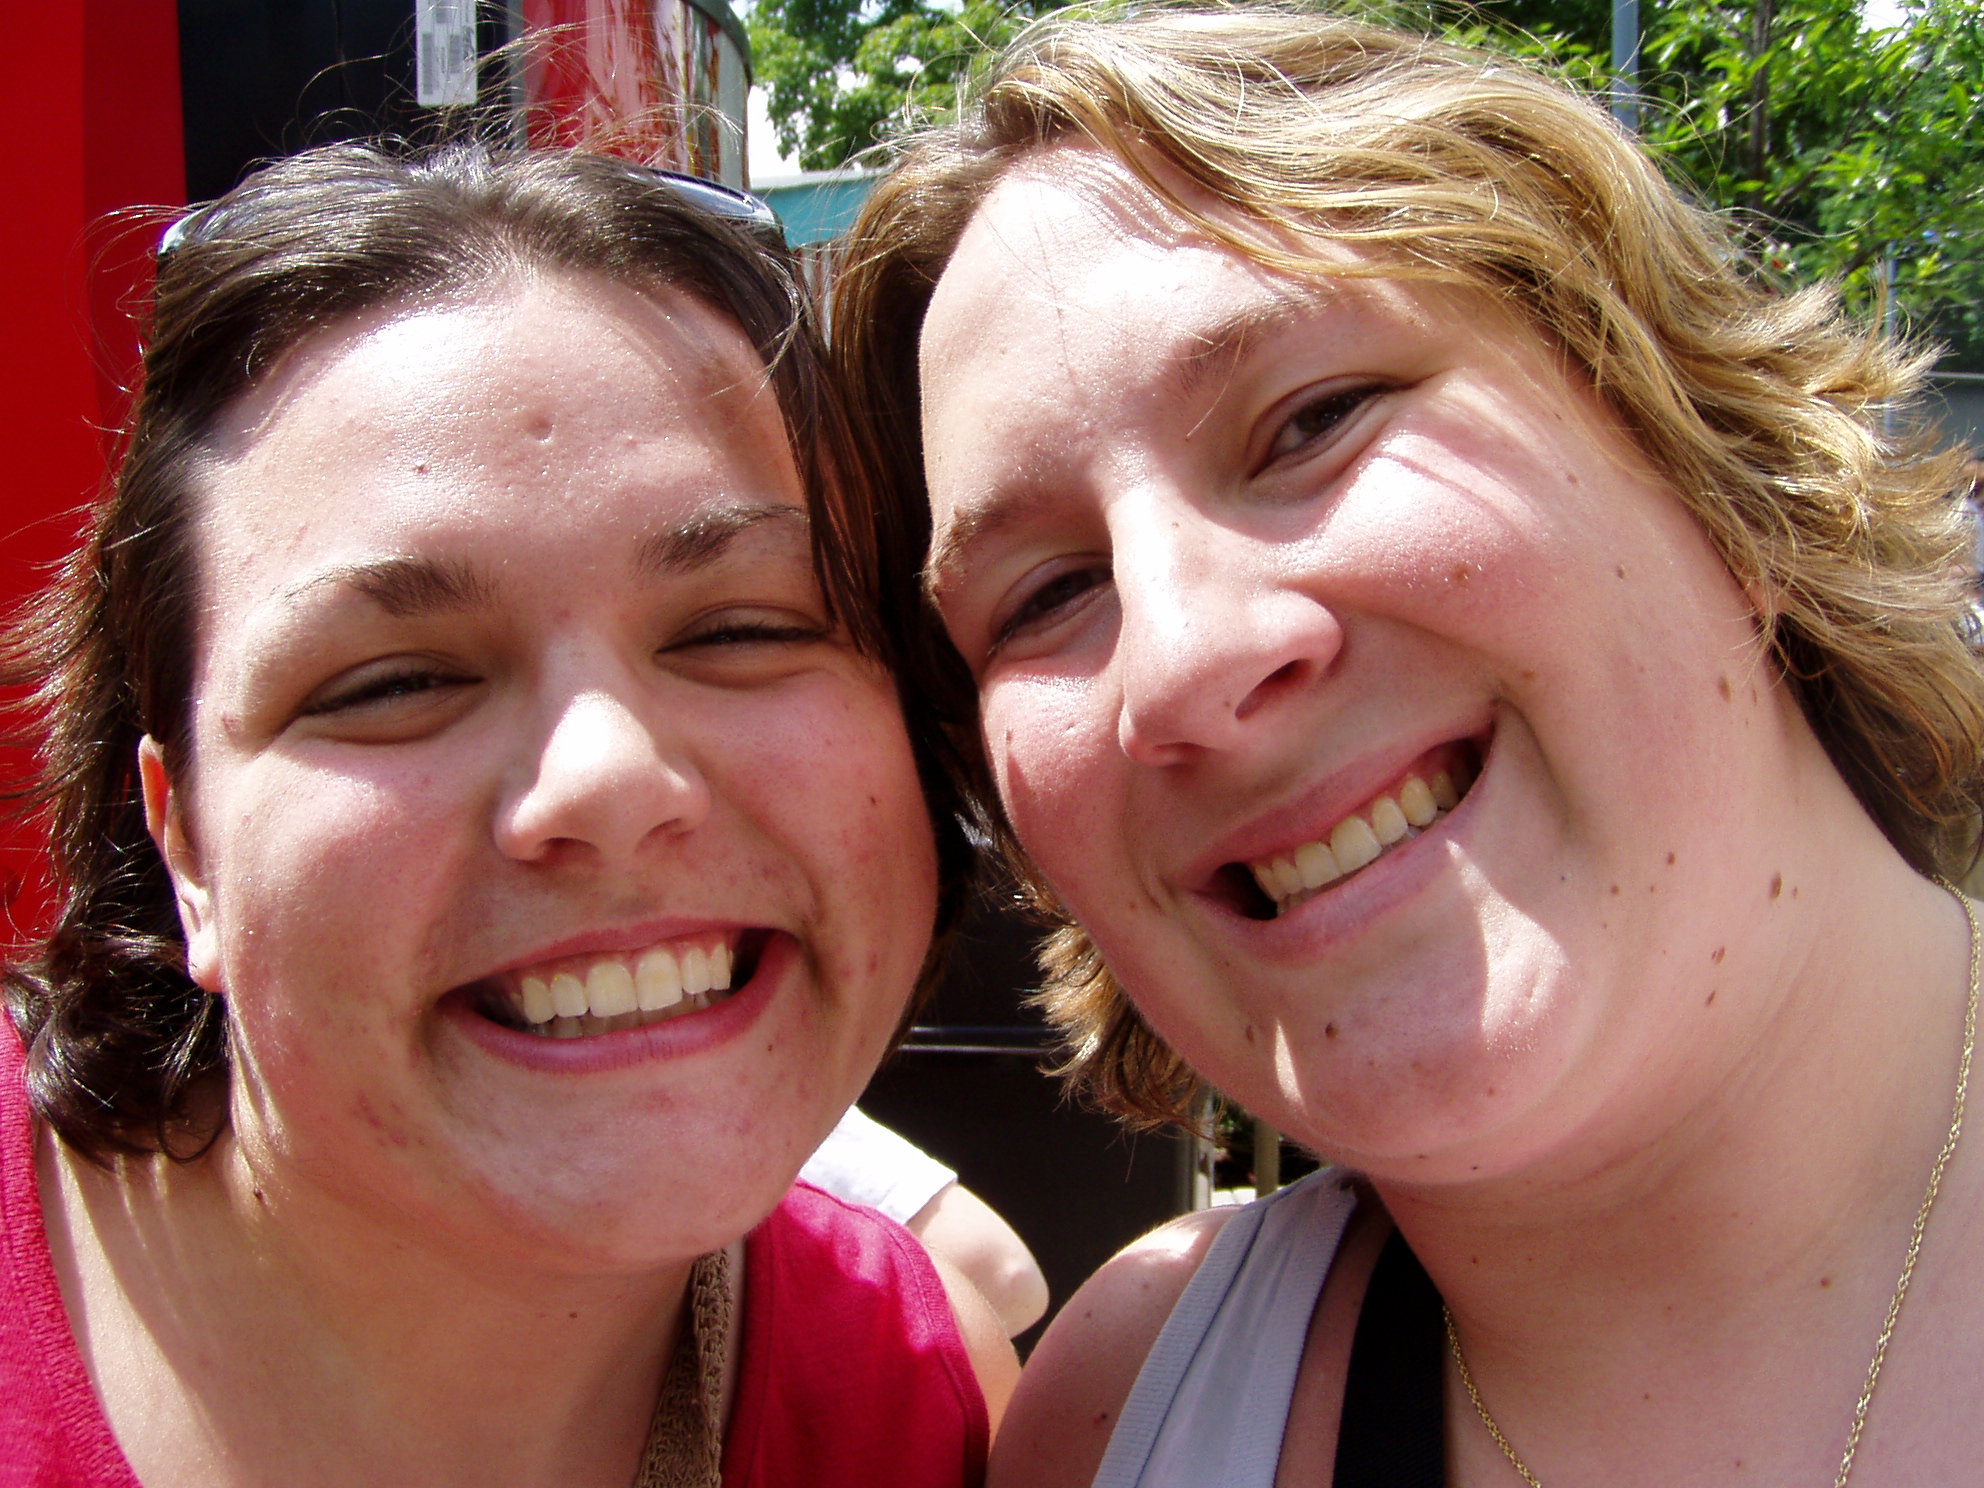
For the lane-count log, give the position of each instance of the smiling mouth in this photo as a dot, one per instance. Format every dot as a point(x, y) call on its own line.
point(586, 996)
point(1266, 888)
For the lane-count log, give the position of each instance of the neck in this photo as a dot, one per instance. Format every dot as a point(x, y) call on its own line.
point(1730, 1264)
point(241, 1331)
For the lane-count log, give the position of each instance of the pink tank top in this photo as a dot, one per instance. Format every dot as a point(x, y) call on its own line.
point(853, 1371)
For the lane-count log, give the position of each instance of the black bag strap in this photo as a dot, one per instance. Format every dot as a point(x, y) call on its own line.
point(1393, 1432)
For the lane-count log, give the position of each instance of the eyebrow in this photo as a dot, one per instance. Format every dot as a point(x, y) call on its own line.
point(1214, 353)
point(702, 539)
point(976, 524)
point(1220, 347)
point(406, 588)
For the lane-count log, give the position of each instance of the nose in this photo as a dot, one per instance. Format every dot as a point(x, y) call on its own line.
point(602, 781)
point(1213, 635)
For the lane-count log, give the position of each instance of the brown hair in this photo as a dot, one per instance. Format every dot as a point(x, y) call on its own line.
point(118, 1037)
point(1789, 430)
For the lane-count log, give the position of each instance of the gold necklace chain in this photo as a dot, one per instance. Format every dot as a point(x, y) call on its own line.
point(1907, 1266)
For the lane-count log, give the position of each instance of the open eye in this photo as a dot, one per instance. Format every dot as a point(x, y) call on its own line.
point(1317, 419)
point(1058, 593)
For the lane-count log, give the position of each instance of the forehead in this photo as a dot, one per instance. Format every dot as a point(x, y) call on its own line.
point(1071, 252)
point(549, 404)
point(1078, 301)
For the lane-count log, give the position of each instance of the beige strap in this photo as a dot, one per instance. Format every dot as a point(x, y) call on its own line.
point(685, 1441)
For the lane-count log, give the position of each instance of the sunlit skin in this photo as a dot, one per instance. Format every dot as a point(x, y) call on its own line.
point(509, 650)
point(1295, 540)
point(1230, 554)
point(585, 746)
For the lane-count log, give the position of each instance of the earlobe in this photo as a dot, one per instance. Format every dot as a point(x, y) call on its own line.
point(165, 820)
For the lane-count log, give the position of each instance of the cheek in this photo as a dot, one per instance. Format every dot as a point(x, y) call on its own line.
point(1060, 775)
point(318, 870)
point(831, 778)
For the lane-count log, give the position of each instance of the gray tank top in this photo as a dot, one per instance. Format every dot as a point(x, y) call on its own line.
point(1211, 1401)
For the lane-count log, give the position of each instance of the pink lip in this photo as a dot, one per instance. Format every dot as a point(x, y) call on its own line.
point(1310, 816)
point(1346, 909)
point(677, 1038)
point(620, 940)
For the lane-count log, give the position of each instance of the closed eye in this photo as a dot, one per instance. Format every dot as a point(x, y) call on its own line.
point(376, 688)
point(751, 630)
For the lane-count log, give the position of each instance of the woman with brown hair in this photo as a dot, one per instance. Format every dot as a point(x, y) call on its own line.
point(1478, 678)
point(492, 855)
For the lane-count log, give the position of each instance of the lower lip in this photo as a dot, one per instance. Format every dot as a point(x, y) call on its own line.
point(676, 1038)
point(1346, 910)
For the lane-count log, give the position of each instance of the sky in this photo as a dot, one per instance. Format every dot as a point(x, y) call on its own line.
point(760, 146)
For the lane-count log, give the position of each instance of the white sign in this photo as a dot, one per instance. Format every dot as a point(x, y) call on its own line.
point(444, 52)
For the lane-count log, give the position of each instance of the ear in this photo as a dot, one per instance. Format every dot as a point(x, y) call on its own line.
point(165, 819)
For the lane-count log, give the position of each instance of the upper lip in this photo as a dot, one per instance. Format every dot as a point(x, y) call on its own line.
point(1309, 815)
point(617, 940)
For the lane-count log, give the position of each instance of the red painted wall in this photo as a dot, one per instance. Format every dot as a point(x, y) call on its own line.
point(91, 118)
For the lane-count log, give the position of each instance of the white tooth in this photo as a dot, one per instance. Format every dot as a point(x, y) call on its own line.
point(537, 999)
point(658, 981)
point(695, 970)
point(1318, 865)
point(566, 1028)
point(1353, 844)
point(1417, 802)
point(720, 969)
point(568, 996)
point(1287, 877)
point(1388, 823)
point(1264, 876)
point(1444, 794)
point(610, 990)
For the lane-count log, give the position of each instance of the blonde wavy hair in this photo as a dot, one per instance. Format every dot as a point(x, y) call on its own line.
point(1791, 431)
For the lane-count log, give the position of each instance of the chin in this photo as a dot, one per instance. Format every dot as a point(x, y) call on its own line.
point(1415, 1107)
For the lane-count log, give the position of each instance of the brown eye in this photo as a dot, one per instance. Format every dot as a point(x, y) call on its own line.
point(1315, 421)
point(1050, 599)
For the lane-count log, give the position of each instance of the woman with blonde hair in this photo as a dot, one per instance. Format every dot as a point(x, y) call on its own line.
point(1479, 678)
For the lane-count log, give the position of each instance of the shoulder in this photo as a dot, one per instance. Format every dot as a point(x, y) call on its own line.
point(852, 1355)
point(993, 1362)
point(937, 1299)
point(1059, 1423)
point(829, 1251)
point(868, 1163)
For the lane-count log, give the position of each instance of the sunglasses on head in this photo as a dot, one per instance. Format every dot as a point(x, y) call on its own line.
point(206, 222)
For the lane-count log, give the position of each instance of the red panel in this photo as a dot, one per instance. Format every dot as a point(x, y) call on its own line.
point(600, 77)
point(91, 119)
point(134, 155)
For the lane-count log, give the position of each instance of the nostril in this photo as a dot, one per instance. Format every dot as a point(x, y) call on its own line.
point(1287, 677)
